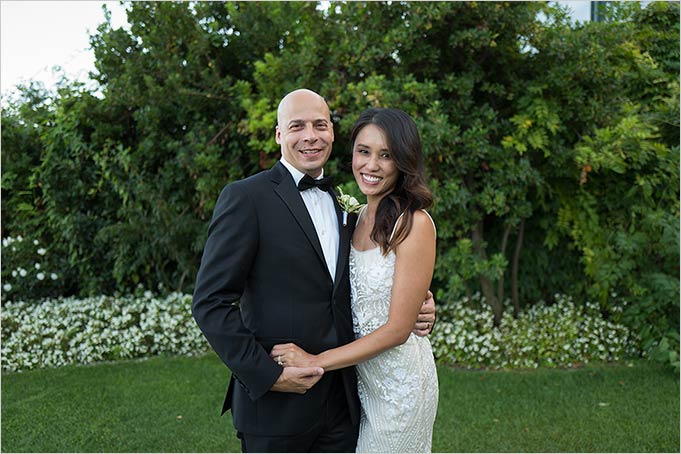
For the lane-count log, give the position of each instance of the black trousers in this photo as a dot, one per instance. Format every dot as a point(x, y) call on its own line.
point(333, 432)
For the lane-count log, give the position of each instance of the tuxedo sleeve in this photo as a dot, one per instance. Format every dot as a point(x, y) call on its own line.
point(227, 258)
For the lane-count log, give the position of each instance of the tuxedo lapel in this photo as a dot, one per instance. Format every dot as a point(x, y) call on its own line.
point(289, 194)
point(345, 228)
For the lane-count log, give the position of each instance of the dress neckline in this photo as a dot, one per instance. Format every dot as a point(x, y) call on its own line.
point(360, 250)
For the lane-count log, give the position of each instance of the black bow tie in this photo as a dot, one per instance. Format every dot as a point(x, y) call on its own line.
point(308, 182)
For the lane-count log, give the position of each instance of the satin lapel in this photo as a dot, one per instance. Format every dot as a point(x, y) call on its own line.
point(344, 234)
point(288, 192)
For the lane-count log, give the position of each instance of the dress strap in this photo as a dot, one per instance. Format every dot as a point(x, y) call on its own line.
point(361, 211)
point(398, 221)
point(395, 226)
point(431, 220)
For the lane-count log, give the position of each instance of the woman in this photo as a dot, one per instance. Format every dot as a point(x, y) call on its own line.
point(391, 265)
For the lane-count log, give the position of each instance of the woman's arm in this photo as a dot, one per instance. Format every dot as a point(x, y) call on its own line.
point(414, 263)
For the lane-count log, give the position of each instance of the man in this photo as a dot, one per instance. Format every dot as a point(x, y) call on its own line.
point(277, 244)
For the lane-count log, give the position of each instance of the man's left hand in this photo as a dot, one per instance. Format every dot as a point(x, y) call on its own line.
point(426, 319)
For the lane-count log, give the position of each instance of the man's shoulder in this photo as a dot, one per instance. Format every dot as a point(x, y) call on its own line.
point(254, 181)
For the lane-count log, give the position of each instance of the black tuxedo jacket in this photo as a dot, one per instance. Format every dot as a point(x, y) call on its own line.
point(263, 281)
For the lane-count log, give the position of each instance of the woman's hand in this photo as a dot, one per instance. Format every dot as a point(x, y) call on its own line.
point(290, 355)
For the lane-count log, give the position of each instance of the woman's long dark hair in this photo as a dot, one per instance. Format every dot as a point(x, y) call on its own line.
point(411, 192)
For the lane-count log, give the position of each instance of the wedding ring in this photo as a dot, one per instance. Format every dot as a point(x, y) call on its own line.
point(279, 360)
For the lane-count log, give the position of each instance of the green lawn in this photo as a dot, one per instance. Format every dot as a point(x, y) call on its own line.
point(173, 404)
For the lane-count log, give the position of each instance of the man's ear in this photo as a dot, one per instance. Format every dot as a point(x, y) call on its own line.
point(277, 134)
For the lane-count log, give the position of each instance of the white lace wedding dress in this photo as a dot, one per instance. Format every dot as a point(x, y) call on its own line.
point(398, 389)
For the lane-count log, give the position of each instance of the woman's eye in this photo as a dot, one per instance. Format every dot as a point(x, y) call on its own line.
point(386, 156)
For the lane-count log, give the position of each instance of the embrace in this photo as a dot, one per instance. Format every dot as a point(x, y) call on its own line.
point(318, 313)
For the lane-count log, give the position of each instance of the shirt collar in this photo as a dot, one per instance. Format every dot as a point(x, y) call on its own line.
point(297, 174)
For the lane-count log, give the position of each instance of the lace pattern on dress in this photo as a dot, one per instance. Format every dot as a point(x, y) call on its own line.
point(398, 388)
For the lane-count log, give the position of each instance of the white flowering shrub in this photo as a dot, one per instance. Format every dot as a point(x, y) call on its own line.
point(560, 335)
point(63, 331)
point(27, 270)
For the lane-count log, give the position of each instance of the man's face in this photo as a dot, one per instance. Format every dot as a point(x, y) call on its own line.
point(305, 131)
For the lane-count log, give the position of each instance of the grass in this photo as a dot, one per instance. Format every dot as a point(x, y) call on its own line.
point(594, 409)
point(173, 405)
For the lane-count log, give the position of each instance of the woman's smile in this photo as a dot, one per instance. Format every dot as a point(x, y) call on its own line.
point(370, 179)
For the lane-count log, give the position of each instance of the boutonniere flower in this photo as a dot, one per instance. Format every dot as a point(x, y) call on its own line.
point(348, 203)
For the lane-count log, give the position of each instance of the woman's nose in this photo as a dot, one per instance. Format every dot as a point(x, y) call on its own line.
point(372, 163)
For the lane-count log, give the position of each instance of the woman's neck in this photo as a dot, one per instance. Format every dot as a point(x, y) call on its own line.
point(372, 205)
point(370, 210)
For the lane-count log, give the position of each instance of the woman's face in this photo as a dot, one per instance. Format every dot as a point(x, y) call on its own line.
point(372, 163)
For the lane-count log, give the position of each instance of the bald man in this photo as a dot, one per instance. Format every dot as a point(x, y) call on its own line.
point(277, 245)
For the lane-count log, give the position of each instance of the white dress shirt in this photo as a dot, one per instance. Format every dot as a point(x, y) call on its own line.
point(320, 206)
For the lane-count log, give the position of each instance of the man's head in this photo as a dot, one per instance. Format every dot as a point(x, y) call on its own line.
point(305, 131)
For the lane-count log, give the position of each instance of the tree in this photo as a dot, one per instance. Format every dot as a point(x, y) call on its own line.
point(551, 148)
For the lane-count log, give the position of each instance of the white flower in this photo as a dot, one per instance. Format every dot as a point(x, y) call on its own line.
point(348, 203)
point(147, 294)
point(42, 251)
point(14, 273)
point(7, 287)
point(35, 242)
point(40, 276)
point(53, 276)
point(5, 242)
point(22, 272)
point(37, 266)
point(20, 239)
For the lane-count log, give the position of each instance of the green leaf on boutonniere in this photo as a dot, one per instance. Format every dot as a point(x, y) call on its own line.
point(348, 203)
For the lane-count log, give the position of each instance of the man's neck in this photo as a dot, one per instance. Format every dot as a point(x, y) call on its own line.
point(297, 173)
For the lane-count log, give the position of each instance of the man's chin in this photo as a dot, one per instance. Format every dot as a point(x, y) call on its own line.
point(313, 166)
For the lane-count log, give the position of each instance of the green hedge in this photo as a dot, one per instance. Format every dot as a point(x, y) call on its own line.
point(552, 148)
point(558, 335)
point(62, 331)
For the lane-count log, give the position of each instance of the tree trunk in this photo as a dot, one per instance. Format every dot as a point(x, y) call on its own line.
point(485, 283)
point(514, 268)
point(500, 284)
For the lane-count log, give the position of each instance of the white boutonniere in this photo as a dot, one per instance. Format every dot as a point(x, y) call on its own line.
point(348, 203)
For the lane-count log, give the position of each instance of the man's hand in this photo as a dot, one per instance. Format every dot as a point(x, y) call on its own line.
point(426, 319)
point(297, 379)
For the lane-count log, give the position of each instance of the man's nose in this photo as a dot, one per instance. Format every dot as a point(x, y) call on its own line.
point(310, 134)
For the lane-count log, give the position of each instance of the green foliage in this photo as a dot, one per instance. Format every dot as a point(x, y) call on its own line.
point(63, 331)
point(559, 335)
point(551, 148)
point(30, 272)
point(22, 121)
